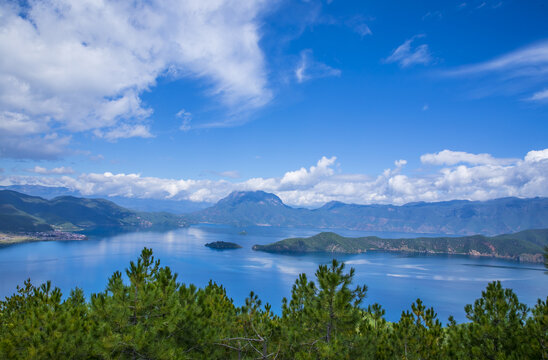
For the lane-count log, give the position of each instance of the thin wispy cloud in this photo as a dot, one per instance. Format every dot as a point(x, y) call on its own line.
point(452, 175)
point(62, 170)
point(359, 24)
point(231, 174)
point(527, 68)
point(308, 68)
point(540, 96)
point(186, 118)
point(407, 55)
point(529, 61)
point(124, 131)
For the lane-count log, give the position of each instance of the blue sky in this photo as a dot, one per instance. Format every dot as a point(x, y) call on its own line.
point(365, 101)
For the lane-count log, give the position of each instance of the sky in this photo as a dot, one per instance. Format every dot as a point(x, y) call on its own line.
point(356, 101)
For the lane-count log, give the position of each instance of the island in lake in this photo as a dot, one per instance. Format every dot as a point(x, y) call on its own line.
point(223, 245)
point(522, 246)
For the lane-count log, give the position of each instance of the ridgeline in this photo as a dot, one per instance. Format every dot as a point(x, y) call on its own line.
point(24, 213)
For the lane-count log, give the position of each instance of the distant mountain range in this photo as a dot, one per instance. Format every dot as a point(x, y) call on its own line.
point(458, 217)
point(24, 213)
point(252, 208)
point(523, 246)
point(177, 207)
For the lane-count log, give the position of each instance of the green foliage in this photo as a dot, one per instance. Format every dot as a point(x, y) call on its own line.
point(418, 335)
point(36, 324)
point(322, 319)
point(148, 314)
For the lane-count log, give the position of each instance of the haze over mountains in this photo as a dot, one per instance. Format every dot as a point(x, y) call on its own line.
point(450, 217)
point(258, 208)
point(176, 207)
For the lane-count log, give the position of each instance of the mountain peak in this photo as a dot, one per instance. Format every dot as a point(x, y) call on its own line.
point(260, 197)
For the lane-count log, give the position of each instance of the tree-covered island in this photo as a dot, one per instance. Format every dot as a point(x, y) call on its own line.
point(223, 245)
point(523, 246)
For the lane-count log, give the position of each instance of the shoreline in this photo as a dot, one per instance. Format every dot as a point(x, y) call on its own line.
point(10, 238)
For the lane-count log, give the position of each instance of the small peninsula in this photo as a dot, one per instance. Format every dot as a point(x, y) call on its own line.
point(223, 245)
point(522, 246)
point(15, 238)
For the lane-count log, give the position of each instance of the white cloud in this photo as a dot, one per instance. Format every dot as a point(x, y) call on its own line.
point(518, 71)
point(81, 66)
point(526, 61)
point(449, 157)
point(124, 131)
point(55, 171)
point(540, 96)
point(363, 30)
point(231, 174)
point(468, 176)
point(186, 118)
point(534, 156)
point(405, 55)
point(50, 146)
point(308, 68)
point(304, 177)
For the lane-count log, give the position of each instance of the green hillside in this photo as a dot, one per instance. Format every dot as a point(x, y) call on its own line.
point(24, 213)
point(525, 245)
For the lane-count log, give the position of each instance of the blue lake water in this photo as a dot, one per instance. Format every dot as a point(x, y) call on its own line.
point(447, 283)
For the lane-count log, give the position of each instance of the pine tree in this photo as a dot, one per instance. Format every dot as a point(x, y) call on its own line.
point(418, 335)
point(36, 324)
point(496, 330)
point(322, 320)
point(136, 321)
point(536, 331)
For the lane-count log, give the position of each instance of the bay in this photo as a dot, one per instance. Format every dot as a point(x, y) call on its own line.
point(395, 280)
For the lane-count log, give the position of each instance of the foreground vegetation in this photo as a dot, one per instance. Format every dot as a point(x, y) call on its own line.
point(153, 316)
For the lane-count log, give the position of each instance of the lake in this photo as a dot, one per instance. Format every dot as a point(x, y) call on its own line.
point(395, 280)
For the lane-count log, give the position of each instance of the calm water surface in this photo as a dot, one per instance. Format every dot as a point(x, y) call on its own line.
point(394, 280)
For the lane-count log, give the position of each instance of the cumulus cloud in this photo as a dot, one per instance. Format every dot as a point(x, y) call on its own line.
point(304, 177)
point(406, 55)
point(82, 66)
point(308, 68)
point(448, 157)
point(468, 176)
point(536, 156)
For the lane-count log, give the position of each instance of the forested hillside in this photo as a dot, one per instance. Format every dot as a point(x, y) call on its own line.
point(25, 213)
point(523, 246)
point(154, 316)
